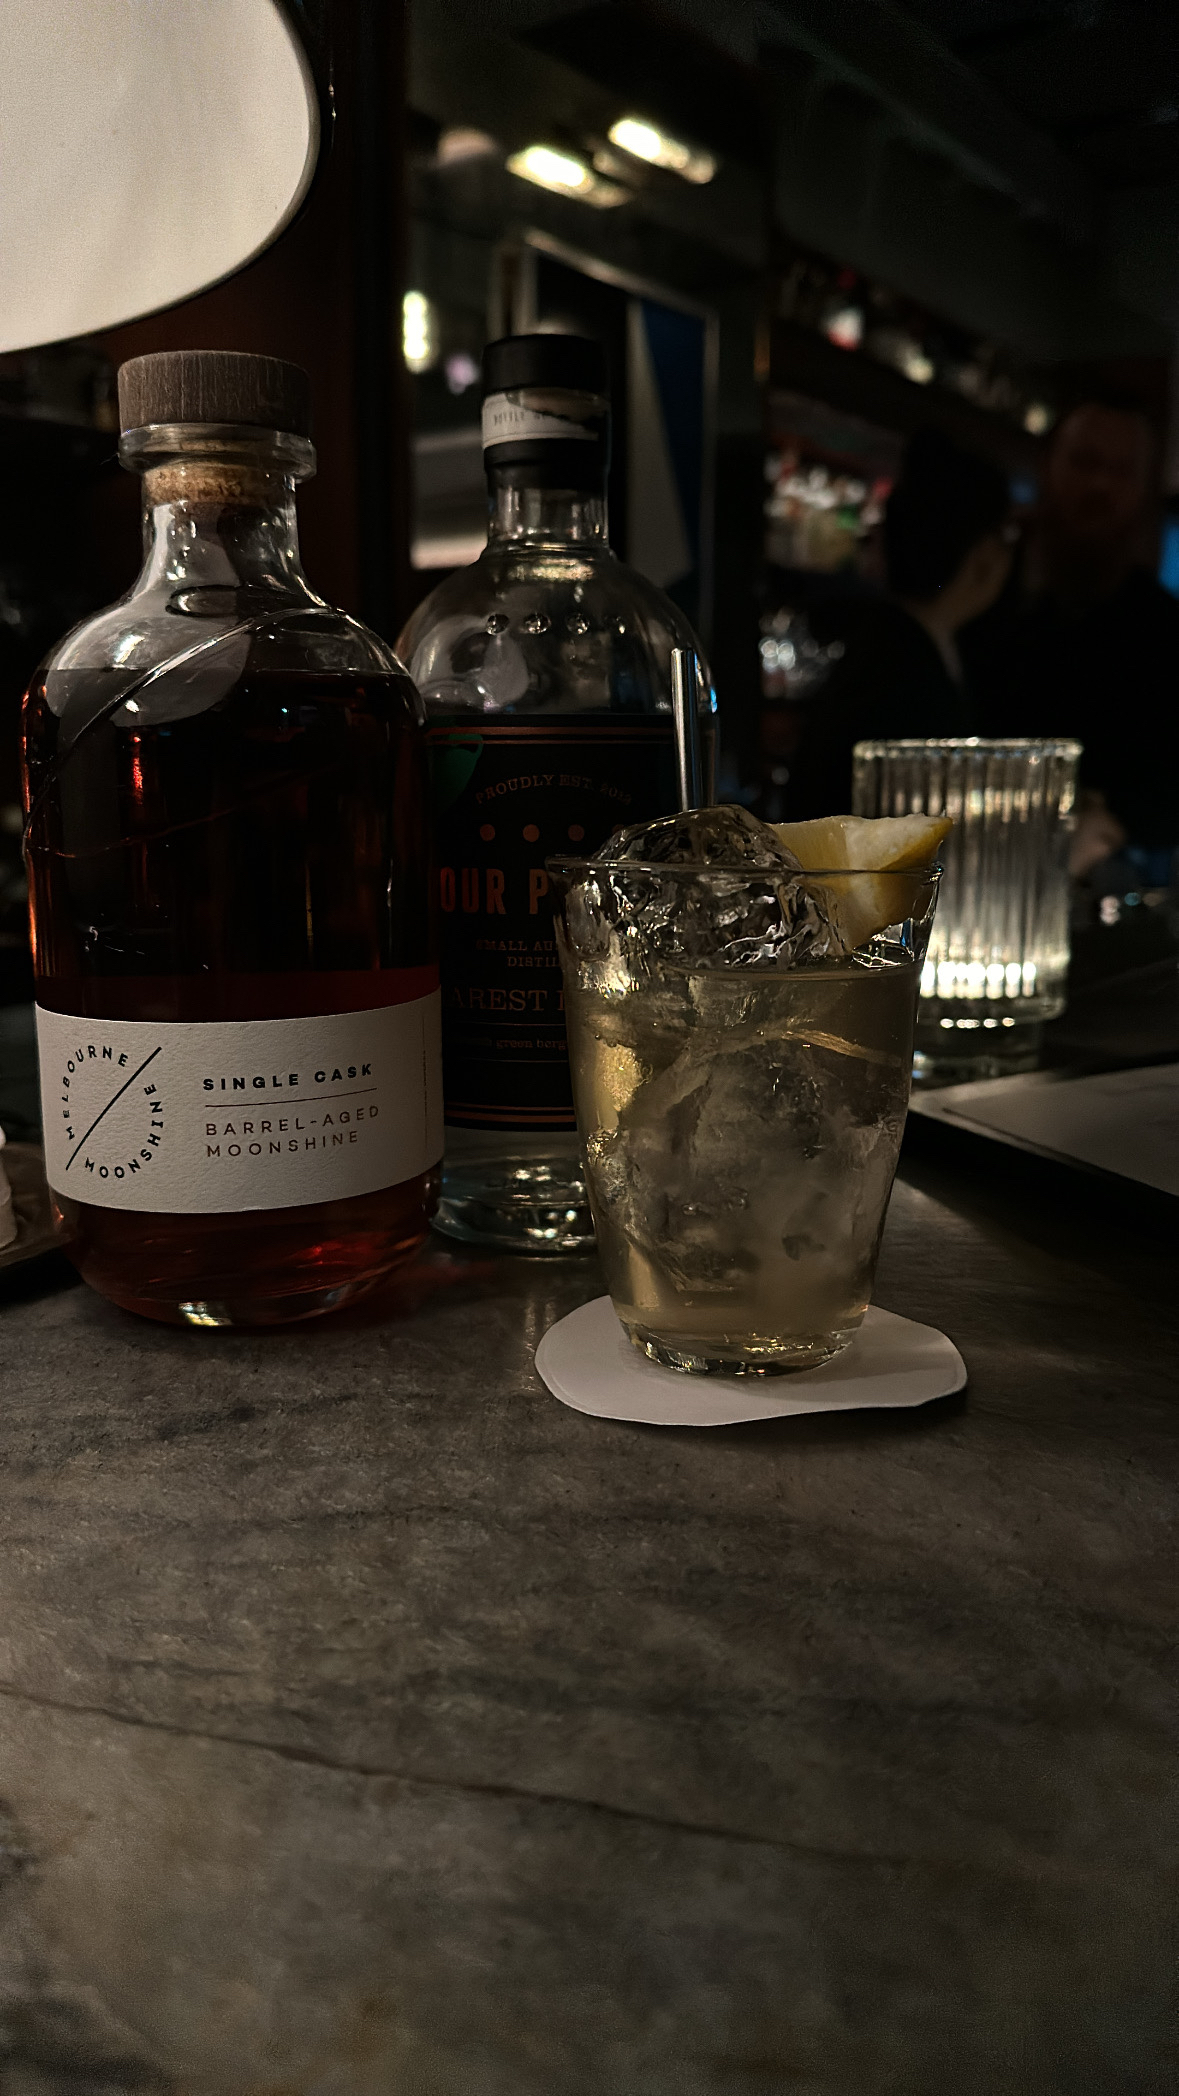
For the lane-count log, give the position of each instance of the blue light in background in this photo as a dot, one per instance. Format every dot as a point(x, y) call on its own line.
point(1169, 556)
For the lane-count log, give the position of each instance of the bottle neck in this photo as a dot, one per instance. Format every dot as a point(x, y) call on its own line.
point(209, 524)
point(546, 517)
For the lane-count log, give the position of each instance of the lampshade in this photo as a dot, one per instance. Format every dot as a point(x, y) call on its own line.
point(148, 148)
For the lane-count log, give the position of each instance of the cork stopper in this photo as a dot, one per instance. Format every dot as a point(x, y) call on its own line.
point(210, 484)
point(214, 385)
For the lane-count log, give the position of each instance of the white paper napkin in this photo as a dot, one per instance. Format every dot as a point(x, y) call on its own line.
point(589, 1363)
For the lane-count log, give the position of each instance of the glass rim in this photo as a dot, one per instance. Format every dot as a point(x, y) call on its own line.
point(994, 745)
point(576, 867)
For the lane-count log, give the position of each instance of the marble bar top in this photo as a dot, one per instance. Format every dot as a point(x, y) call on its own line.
point(371, 1723)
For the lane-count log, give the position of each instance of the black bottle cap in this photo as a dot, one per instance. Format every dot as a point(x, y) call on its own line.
point(532, 437)
point(214, 385)
point(569, 361)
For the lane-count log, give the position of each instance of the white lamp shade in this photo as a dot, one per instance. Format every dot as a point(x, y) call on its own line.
point(148, 148)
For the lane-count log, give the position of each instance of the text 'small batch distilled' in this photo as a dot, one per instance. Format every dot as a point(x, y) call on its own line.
point(228, 853)
point(545, 670)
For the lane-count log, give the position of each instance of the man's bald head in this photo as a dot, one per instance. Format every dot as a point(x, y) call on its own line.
point(1099, 479)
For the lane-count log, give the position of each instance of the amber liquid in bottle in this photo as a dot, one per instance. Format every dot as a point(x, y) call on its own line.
point(280, 833)
point(245, 840)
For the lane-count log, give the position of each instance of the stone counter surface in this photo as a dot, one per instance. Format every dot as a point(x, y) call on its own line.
point(371, 1723)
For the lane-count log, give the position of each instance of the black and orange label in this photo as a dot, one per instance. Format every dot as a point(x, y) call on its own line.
point(508, 796)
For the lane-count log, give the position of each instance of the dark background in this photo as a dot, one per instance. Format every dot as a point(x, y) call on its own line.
point(992, 184)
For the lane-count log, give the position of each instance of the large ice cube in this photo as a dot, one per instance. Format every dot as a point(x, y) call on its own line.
point(762, 913)
point(753, 1162)
point(726, 836)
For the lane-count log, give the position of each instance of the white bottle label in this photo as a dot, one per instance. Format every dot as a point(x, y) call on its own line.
point(209, 1118)
point(506, 422)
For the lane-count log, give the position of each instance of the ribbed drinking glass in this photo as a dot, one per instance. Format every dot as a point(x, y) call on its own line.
point(998, 956)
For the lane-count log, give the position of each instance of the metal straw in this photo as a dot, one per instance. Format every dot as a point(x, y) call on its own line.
point(685, 713)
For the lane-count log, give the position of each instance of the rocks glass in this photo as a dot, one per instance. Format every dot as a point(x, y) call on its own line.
point(741, 1117)
point(998, 956)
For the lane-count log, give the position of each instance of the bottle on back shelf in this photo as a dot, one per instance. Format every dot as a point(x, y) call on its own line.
point(228, 849)
point(545, 669)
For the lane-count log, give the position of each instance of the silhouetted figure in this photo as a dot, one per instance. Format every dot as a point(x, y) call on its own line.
point(1094, 650)
point(947, 556)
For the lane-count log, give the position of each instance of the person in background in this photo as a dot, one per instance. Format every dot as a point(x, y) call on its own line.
point(1094, 650)
point(947, 555)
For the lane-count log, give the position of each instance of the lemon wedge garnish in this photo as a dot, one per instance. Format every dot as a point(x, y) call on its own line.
point(868, 842)
point(880, 844)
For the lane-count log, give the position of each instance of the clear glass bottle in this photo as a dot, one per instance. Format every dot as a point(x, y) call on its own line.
point(545, 670)
point(228, 850)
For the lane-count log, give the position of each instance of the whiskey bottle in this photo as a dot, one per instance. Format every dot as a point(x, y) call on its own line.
point(545, 673)
point(228, 850)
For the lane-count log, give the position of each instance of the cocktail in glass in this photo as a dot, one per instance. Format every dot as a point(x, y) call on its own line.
point(741, 1106)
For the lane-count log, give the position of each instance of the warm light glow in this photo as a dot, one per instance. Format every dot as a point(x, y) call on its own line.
point(973, 980)
point(550, 170)
point(419, 339)
point(641, 139)
point(203, 1314)
point(916, 365)
point(566, 176)
point(1037, 419)
point(461, 143)
point(845, 328)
